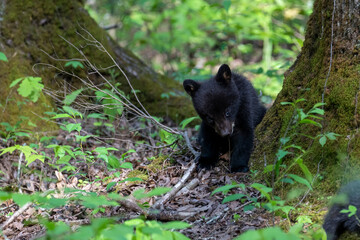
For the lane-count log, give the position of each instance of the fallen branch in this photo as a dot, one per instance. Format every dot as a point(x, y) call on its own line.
point(191, 185)
point(161, 215)
point(177, 187)
point(187, 140)
point(15, 215)
point(165, 215)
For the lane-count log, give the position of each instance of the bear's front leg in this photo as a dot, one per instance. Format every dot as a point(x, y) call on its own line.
point(209, 142)
point(241, 145)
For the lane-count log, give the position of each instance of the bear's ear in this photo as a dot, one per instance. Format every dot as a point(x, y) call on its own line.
point(224, 74)
point(191, 86)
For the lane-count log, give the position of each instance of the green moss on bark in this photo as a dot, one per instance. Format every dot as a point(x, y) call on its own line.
point(30, 28)
point(306, 79)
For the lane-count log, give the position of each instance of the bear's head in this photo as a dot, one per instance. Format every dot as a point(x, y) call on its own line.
point(216, 101)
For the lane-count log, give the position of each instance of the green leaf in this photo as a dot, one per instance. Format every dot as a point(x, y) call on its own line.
point(332, 136)
point(64, 159)
point(233, 197)
point(175, 225)
point(186, 121)
point(228, 187)
point(308, 121)
point(96, 115)
point(287, 180)
point(30, 87)
point(249, 207)
point(21, 199)
point(113, 161)
point(281, 154)
point(319, 105)
point(322, 141)
point(73, 112)
point(13, 83)
point(317, 111)
point(110, 185)
point(74, 64)
point(34, 157)
point(126, 165)
point(62, 115)
point(300, 180)
point(287, 103)
point(284, 140)
point(21, 134)
point(226, 4)
point(305, 170)
point(70, 98)
point(351, 210)
point(269, 168)
point(3, 57)
point(73, 127)
point(263, 189)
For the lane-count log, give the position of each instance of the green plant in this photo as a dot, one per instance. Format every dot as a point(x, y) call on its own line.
point(74, 64)
point(352, 210)
point(12, 132)
point(288, 156)
point(30, 87)
point(3, 57)
point(188, 37)
point(29, 153)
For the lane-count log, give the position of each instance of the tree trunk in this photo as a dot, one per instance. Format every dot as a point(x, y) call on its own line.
point(327, 70)
point(30, 28)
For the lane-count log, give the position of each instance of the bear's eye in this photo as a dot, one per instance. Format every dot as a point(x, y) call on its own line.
point(227, 114)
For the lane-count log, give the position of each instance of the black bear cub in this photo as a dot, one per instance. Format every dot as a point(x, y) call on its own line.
point(336, 223)
point(230, 110)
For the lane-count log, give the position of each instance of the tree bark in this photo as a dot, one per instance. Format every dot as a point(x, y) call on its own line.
point(327, 70)
point(30, 28)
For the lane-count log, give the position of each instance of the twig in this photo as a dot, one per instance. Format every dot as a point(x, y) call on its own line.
point(191, 185)
point(196, 154)
point(161, 215)
point(19, 170)
point(113, 26)
point(177, 187)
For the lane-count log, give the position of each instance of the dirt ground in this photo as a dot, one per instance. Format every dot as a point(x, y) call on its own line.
point(209, 218)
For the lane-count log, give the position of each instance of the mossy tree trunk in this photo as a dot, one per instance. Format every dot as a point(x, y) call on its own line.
point(30, 28)
point(327, 70)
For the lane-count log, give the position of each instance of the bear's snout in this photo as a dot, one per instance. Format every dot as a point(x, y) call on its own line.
point(224, 128)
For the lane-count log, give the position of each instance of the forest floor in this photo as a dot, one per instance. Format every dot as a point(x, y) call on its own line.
point(208, 216)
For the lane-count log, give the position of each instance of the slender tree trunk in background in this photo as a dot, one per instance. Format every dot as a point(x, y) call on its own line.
point(327, 70)
point(27, 28)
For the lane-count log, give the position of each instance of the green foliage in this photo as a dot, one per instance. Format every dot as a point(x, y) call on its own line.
point(189, 37)
point(277, 233)
point(30, 154)
point(351, 210)
point(74, 64)
point(3, 57)
point(101, 228)
point(186, 121)
point(111, 102)
point(70, 98)
point(12, 132)
point(288, 156)
point(167, 137)
point(30, 87)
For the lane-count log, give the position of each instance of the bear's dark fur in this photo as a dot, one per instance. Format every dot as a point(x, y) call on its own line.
point(230, 110)
point(337, 223)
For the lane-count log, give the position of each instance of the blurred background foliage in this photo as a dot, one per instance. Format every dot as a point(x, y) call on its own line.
point(191, 38)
